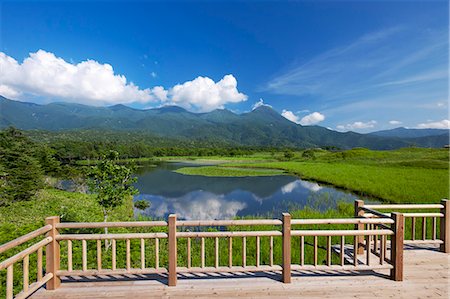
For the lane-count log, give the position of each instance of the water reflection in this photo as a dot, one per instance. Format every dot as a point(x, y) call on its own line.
point(197, 197)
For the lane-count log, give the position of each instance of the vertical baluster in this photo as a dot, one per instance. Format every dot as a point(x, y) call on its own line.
point(271, 250)
point(113, 254)
point(434, 228)
point(328, 250)
point(69, 255)
point(26, 267)
point(230, 252)
point(156, 253)
point(258, 249)
point(382, 244)
point(424, 228)
point(375, 241)
point(355, 251)
point(9, 282)
point(39, 264)
point(302, 250)
point(128, 255)
point(84, 254)
point(202, 249)
point(99, 255)
point(368, 249)
point(142, 254)
point(413, 228)
point(315, 250)
point(342, 250)
point(188, 252)
point(216, 255)
point(244, 252)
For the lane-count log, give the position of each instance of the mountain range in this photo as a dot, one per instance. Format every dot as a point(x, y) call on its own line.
point(261, 127)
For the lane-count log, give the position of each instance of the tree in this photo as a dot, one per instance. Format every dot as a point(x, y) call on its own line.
point(21, 175)
point(141, 204)
point(111, 183)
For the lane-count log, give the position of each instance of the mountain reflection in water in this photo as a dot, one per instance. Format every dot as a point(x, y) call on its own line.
point(199, 197)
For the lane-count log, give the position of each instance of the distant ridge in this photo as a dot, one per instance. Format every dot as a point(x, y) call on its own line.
point(402, 132)
point(261, 127)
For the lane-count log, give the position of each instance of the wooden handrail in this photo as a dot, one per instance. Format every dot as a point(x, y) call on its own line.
point(404, 206)
point(318, 233)
point(229, 222)
point(17, 257)
point(342, 221)
point(228, 234)
point(111, 224)
point(25, 238)
point(110, 236)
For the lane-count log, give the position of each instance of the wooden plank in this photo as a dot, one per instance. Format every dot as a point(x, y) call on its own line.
point(69, 256)
point(324, 233)
point(39, 264)
point(230, 252)
point(52, 253)
point(110, 224)
point(99, 254)
point(315, 250)
point(172, 236)
point(397, 247)
point(229, 222)
point(286, 229)
point(355, 250)
point(434, 228)
point(34, 287)
point(156, 253)
point(445, 226)
point(424, 228)
point(271, 250)
point(202, 252)
point(382, 246)
point(244, 252)
point(113, 254)
point(142, 253)
point(26, 267)
point(9, 282)
point(188, 252)
point(404, 206)
point(216, 254)
point(110, 236)
point(328, 250)
point(258, 251)
point(227, 234)
point(342, 253)
point(341, 221)
point(84, 254)
point(302, 250)
point(413, 228)
point(25, 238)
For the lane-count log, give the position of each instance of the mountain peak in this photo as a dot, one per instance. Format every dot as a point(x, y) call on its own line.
point(170, 109)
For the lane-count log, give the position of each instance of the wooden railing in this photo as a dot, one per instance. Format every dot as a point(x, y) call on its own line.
point(373, 241)
point(422, 225)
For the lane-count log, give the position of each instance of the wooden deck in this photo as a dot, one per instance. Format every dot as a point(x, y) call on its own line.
point(426, 276)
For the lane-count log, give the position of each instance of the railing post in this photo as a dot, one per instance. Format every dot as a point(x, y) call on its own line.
point(445, 226)
point(397, 246)
point(52, 254)
point(359, 212)
point(172, 236)
point(286, 247)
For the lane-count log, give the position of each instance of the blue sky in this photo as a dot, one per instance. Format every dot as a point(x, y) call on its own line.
point(360, 66)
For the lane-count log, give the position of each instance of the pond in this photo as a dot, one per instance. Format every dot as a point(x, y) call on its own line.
point(207, 198)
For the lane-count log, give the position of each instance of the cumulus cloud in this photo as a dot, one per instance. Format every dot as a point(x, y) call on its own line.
point(290, 187)
point(357, 125)
point(42, 74)
point(259, 104)
point(395, 122)
point(443, 124)
point(307, 120)
point(203, 94)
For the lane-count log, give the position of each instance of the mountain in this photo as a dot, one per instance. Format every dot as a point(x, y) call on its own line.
point(410, 133)
point(261, 127)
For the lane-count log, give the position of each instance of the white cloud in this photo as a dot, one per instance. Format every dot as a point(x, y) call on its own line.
point(259, 104)
point(395, 122)
point(357, 125)
point(307, 120)
point(443, 124)
point(44, 74)
point(290, 116)
point(290, 187)
point(153, 74)
point(203, 94)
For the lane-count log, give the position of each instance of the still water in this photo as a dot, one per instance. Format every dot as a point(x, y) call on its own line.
point(207, 198)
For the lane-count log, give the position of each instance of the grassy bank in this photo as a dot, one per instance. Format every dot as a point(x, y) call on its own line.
point(216, 171)
point(409, 175)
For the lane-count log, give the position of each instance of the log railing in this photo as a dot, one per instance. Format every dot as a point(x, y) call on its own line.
point(422, 226)
point(372, 240)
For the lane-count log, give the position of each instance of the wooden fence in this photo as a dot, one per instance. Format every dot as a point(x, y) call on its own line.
point(375, 242)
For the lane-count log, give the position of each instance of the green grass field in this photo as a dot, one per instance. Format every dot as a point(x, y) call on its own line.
point(228, 171)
